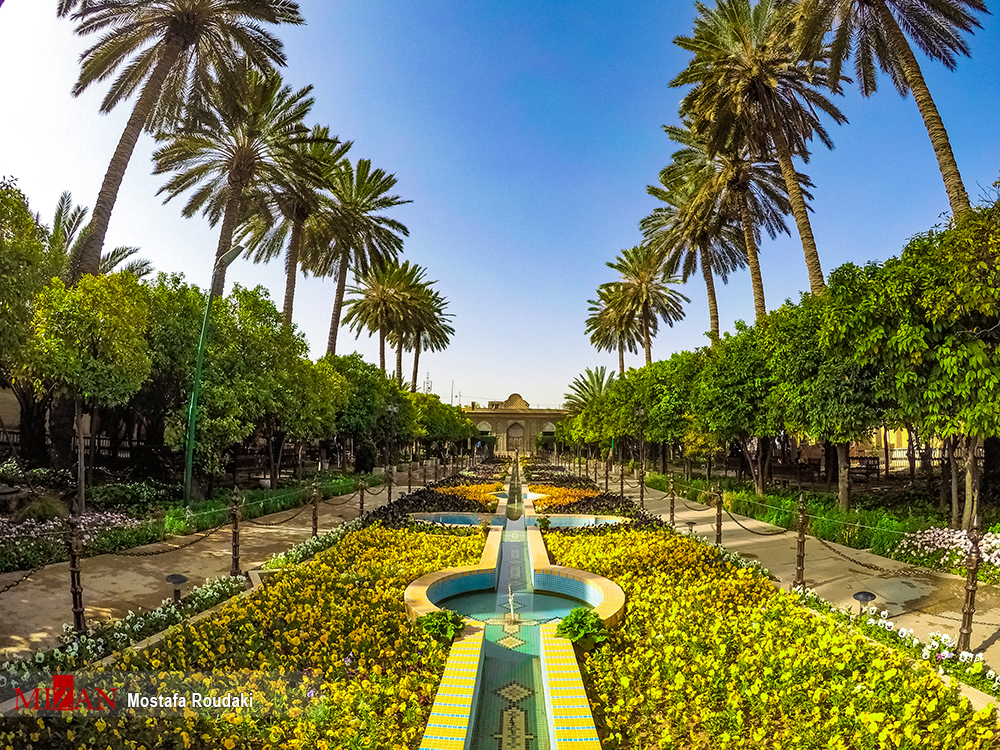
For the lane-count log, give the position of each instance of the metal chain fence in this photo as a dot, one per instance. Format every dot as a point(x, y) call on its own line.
point(171, 549)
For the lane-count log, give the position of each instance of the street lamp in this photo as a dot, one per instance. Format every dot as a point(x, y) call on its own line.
point(220, 265)
point(640, 414)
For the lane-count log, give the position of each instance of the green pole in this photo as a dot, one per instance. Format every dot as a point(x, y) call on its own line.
point(221, 263)
point(193, 406)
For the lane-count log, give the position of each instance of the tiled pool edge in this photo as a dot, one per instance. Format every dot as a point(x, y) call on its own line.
point(452, 718)
point(571, 723)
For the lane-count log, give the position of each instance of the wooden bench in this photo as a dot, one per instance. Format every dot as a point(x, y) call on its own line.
point(864, 466)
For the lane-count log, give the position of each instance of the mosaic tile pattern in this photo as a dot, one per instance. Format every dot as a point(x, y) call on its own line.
point(571, 724)
point(452, 714)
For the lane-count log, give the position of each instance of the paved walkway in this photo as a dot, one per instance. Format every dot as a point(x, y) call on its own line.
point(32, 614)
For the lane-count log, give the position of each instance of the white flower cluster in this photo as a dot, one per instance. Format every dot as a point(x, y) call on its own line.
point(311, 547)
point(90, 524)
point(102, 639)
point(954, 543)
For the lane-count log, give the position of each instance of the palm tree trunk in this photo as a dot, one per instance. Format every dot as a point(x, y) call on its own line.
point(416, 362)
point(226, 237)
point(87, 259)
point(338, 304)
point(621, 357)
point(957, 197)
point(713, 302)
point(291, 271)
point(756, 280)
point(646, 342)
point(817, 284)
point(399, 362)
point(381, 348)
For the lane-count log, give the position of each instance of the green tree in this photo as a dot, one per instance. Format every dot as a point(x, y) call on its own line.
point(741, 184)
point(429, 329)
point(691, 231)
point(173, 52)
point(359, 235)
point(384, 298)
point(875, 32)
point(928, 321)
point(733, 398)
point(25, 269)
point(247, 137)
point(89, 341)
point(611, 328)
point(755, 80)
point(290, 214)
point(644, 291)
point(821, 394)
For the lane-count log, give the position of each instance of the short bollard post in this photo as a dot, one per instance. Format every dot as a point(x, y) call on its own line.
point(361, 506)
point(621, 478)
point(718, 515)
point(75, 582)
point(607, 470)
point(971, 583)
point(800, 552)
point(234, 515)
point(315, 504)
point(672, 500)
point(409, 476)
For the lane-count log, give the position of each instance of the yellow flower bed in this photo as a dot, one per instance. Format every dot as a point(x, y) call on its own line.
point(556, 497)
point(336, 626)
point(478, 493)
point(710, 655)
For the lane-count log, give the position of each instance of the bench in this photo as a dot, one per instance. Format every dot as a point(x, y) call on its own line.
point(864, 467)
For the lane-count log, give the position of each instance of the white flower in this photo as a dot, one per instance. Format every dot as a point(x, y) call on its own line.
point(885, 613)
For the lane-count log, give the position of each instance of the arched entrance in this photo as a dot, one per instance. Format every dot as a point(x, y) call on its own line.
point(515, 437)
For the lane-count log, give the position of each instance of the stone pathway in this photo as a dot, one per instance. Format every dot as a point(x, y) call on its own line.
point(32, 613)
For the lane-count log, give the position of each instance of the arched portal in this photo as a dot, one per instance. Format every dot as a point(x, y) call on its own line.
point(485, 428)
point(515, 437)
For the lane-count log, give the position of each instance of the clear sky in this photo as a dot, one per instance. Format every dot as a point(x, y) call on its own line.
point(525, 134)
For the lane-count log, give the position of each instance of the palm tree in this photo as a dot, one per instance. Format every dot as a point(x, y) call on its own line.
point(175, 51)
point(611, 329)
point(587, 388)
point(743, 185)
point(690, 232)
point(755, 78)
point(289, 213)
point(248, 137)
point(361, 237)
point(383, 298)
point(68, 230)
point(875, 31)
point(644, 291)
point(429, 328)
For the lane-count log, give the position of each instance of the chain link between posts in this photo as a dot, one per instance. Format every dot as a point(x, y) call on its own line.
point(171, 549)
point(22, 579)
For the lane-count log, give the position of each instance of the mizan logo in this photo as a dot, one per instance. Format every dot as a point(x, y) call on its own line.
point(62, 697)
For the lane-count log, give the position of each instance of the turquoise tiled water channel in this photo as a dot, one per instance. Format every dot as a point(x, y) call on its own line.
point(511, 710)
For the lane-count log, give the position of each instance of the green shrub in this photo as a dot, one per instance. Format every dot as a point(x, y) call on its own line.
point(443, 625)
point(136, 496)
point(44, 508)
point(582, 624)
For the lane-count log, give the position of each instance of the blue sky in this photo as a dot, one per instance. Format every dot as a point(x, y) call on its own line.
point(525, 135)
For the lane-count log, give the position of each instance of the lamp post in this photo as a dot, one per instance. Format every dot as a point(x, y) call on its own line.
point(391, 410)
point(640, 414)
point(221, 264)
